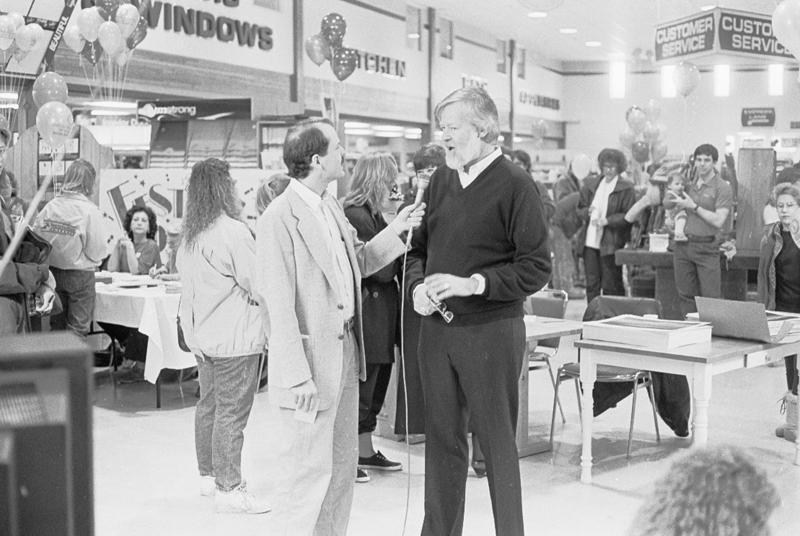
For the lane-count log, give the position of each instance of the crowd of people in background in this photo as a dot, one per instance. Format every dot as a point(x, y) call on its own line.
point(314, 294)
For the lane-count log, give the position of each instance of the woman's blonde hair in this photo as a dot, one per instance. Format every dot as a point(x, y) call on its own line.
point(210, 193)
point(373, 178)
point(785, 188)
point(79, 178)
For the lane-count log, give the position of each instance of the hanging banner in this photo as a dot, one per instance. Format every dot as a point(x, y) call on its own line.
point(685, 37)
point(748, 34)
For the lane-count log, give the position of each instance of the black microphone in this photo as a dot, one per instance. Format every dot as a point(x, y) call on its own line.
point(423, 180)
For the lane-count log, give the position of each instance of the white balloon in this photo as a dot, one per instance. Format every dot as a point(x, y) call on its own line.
point(7, 32)
point(17, 18)
point(89, 21)
point(27, 36)
point(74, 39)
point(581, 165)
point(110, 37)
point(127, 17)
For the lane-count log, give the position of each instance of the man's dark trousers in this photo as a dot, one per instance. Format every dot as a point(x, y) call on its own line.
point(697, 272)
point(471, 369)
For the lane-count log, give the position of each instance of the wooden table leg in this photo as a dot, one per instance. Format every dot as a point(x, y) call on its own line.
point(701, 394)
point(525, 444)
point(588, 377)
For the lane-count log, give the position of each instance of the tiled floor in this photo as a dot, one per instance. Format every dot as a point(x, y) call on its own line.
point(146, 481)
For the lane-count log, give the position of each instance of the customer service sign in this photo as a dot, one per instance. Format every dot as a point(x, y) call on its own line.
point(720, 31)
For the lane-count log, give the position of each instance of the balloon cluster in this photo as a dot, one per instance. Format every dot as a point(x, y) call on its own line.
point(112, 29)
point(17, 37)
point(54, 118)
point(786, 25)
point(327, 45)
point(644, 134)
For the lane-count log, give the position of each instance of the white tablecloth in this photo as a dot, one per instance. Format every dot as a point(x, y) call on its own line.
point(152, 311)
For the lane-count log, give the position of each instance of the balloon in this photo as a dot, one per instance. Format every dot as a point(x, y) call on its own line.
point(333, 27)
point(686, 78)
point(138, 34)
point(581, 166)
point(89, 21)
point(539, 129)
point(54, 122)
point(7, 32)
point(653, 110)
point(786, 25)
point(636, 119)
point(627, 137)
point(343, 62)
point(49, 87)
point(73, 38)
point(316, 48)
point(127, 17)
point(640, 151)
point(109, 6)
point(651, 132)
point(110, 38)
point(17, 18)
point(658, 151)
point(122, 58)
point(92, 52)
point(27, 36)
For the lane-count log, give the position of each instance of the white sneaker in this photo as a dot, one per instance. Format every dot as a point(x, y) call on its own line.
point(208, 485)
point(239, 501)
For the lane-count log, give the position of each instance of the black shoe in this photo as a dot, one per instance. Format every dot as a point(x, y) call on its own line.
point(479, 466)
point(379, 462)
point(362, 476)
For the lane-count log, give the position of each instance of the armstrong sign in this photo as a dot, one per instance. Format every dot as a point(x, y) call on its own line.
point(722, 31)
point(201, 109)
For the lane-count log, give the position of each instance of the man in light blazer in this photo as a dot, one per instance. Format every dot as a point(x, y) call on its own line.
point(310, 280)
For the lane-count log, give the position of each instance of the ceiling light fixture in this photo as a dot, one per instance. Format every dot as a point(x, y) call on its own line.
point(568, 31)
point(593, 44)
point(708, 7)
point(8, 95)
point(537, 14)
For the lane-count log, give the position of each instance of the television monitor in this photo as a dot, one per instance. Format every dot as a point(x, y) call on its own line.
point(46, 471)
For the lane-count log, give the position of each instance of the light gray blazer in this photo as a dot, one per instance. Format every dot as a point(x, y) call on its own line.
point(304, 317)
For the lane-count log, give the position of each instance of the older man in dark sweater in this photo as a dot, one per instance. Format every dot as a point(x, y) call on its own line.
point(481, 249)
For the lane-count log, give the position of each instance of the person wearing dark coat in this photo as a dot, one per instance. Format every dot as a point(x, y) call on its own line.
point(373, 178)
point(602, 206)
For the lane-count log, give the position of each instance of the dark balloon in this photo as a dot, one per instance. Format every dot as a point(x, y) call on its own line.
point(640, 151)
point(343, 62)
point(333, 28)
point(92, 51)
point(138, 34)
point(109, 6)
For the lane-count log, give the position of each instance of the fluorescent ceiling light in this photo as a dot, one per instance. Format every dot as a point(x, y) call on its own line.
point(775, 88)
point(593, 44)
point(722, 80)
point(616, 80)
point(389, 134)
point(355, 124)
point(668, 89)
point(413, 36)
point(9, 95)
point(13, 106)
point(388, 128)
point(110, 112)
point(358, 131)
point(568, 31)
point(707, 7)
point(537, 14)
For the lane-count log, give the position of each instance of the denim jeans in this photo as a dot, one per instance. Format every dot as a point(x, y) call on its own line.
point(76, 290)
point(227, 388)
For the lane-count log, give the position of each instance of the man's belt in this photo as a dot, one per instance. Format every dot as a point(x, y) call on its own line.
point(700, 238)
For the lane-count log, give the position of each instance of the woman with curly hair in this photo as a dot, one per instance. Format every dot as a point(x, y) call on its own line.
point(779, 283)
point(373, 178)
point(717, 491)
point(222, 324)
point(137, 251)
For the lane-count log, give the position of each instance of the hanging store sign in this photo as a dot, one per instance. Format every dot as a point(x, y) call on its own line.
point(758, 117)
point(720, 31)
point(685, 37)
point(749, 34)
